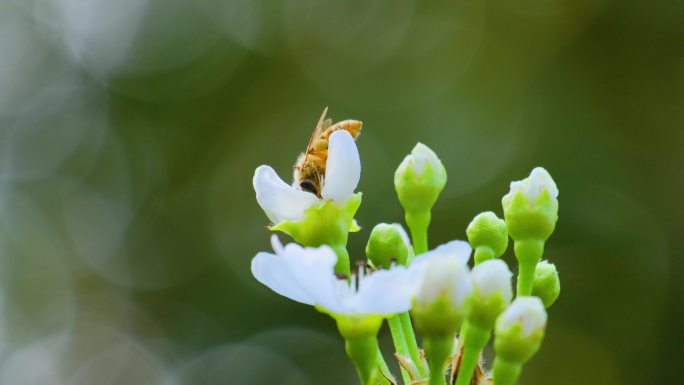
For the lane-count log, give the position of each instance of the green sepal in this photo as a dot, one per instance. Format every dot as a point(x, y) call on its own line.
point(512, 345)
point(483, 312)
point(326, 224)
point(530, 220)
point(546, 283)
point(353, 326)
point(439, 319)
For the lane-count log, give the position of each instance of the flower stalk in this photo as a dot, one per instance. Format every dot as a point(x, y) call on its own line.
point(411, 343)
point(361, 344)
point(437, 351)
point(474, 339)
point(418, 223)
point(400, 343)
point(528, 253)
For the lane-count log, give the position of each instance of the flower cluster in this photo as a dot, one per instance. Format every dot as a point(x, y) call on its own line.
point(455, 308)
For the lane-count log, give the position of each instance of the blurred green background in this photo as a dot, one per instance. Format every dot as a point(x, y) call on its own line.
point(130, 131)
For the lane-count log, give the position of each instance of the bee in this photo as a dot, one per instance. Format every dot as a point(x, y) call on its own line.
point(309, 170)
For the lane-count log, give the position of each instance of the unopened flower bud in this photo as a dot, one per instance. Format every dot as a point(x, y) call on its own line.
point(531, 207)
point(387, 244)
point(520, 330)
point(487, 234)
point(492, 292)
point(440, 302)
point(419, 179)
point(531, 212)
point(546, 283)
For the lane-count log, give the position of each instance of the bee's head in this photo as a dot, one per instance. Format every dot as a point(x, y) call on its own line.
point(309, 186)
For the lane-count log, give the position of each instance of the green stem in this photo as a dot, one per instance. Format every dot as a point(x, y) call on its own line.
point(474, 340)
point(342, 265)
point(400, 345)
point(437, 351)
point(528, 253)
point(363, 351)
point(361, 344)
point(382, 380)
point(418, 223)
point(411, 342)
point(504, 372)
point(483, 253)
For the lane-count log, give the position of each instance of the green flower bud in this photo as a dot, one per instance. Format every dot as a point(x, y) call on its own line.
point(419, 179)
point(487, 234)
point(546, 283)
point(520, 330)
point(531, 207)
point(387, 244)
point(531, 212)
point(441, 298)
point(492, 293)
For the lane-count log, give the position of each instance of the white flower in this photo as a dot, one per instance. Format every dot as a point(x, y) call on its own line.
point(282, 202)
point(538, 181)
point(528, 311)
point(459, 250)
point(420, 156)
point(443, 271)
point(307, 275)
point(491, 277)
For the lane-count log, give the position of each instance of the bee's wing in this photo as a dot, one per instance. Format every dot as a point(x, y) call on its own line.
point(320, 126)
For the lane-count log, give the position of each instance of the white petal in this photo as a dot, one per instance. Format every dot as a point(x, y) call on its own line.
point(279, 200)
point(541, 179)
point(538, 181)
point(303, 274)
point(444, 274)
point(385, 292)
point(422, 155)
point(492, 276)
point(276, 244)
point(343, 168)
point(529, 311)
point(272, 271)
point(458, 249)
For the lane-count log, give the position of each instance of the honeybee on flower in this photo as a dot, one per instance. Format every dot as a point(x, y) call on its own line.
point(310, 168)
